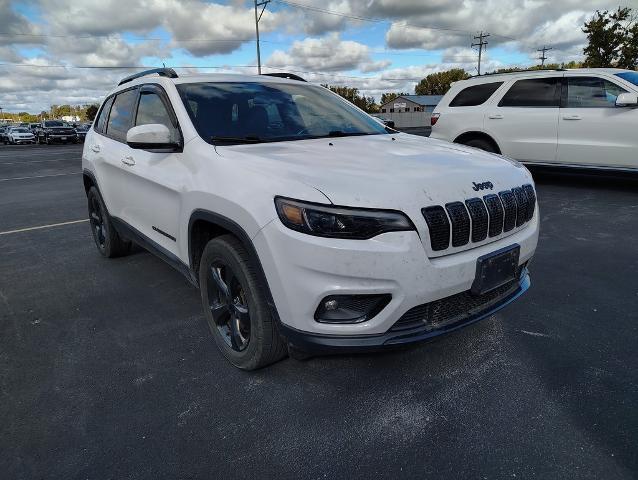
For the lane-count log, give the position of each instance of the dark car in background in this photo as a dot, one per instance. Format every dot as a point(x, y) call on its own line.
point(4, 130)
point(80, 132)
point(55, 131)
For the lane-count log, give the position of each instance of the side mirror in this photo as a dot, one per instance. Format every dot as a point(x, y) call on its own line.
point(151, 136)
point(389, 123)
point(627, 100)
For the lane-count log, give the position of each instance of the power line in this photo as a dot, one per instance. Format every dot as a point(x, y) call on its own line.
point(481, 44)
point(380, 20)
point(542, 58)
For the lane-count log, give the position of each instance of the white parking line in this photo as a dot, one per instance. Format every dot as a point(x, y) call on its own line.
point(35, 161)
point(39, 176)
point(40, 227)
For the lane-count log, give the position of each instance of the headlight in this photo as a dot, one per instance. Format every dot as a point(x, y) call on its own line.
point(339, 222)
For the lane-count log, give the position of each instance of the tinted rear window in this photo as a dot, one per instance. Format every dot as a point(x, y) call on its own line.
point(536, 92)
point(475, 95)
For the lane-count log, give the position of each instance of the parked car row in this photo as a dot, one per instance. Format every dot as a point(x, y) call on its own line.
point(47, 132)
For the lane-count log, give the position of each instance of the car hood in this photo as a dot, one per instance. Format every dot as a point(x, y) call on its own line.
point(402, 172)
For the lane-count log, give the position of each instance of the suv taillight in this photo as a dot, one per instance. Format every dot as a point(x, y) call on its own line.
point(434, 118)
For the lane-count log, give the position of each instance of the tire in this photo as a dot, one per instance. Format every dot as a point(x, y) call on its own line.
point(107, 240)
point(235, 306)
point(481, 144)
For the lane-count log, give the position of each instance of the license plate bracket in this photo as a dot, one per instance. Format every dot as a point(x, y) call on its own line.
point(496, 269)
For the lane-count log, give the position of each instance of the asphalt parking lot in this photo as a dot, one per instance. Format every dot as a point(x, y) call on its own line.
point(107, 369)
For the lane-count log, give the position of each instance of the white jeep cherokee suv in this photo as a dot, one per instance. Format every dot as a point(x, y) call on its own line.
point(307, 225)
point(579, 118)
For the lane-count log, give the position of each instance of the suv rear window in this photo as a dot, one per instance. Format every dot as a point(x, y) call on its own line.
point(534, 92)
point(475, 95)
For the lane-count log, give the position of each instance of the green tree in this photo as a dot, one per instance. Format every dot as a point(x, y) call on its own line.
point(439, 83)
point(91, 112)
point(612, 39)
point(367, 104)
point(388, 97)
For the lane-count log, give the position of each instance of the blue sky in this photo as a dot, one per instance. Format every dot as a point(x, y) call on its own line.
point(375, 45)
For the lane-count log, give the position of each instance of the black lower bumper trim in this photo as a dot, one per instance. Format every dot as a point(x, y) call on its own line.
point(326, 344)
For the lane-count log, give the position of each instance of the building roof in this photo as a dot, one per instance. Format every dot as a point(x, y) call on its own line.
point(419, 99)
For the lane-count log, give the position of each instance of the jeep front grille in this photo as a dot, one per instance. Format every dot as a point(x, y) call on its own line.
point(477, 218)
point(439, 227)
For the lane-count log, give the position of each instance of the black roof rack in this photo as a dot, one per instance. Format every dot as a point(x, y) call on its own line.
point(289, 76)
point(162, 72)
point(526, 70)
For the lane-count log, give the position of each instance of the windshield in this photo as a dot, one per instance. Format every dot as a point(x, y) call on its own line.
point(21, 130)
point(629, 76)
point(55, 123)
point(233, 113)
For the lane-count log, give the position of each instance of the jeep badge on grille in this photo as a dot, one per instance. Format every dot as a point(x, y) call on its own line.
point(482, 186)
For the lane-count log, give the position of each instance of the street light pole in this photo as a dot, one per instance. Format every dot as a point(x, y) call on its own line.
point(257, 19)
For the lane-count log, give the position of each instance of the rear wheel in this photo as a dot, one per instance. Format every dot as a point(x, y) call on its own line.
point(235, 306)
point(107, 240)
point(481, 144)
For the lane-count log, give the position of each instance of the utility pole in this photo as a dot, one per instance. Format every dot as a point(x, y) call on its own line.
point(481, 44)
point(542, 58)
point(258, 15)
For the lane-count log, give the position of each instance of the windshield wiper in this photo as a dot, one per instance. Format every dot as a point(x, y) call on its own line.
point(222, 139)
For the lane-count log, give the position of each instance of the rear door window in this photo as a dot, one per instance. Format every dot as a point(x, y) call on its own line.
point(534, 92)
point(121, 116)
point(475, 95)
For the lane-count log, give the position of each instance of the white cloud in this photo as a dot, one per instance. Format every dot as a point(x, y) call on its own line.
point(327, 54)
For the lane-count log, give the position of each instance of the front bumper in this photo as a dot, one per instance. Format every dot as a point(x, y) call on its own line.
point(302, 270)
point(58, 137)
point(315, 343)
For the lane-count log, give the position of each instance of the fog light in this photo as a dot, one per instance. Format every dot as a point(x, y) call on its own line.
point(331, 305)
point(350, 308)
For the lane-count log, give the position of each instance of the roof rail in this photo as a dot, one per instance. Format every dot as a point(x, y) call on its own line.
point(162, 72)
point(526, 70)
point(289, 76)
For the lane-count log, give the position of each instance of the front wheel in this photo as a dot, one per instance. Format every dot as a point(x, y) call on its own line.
point(235, 306)
point(107, 240)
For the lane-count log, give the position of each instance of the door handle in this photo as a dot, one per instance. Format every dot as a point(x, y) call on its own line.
point(95, 148)
point(130, 161)
point(495, 116)
point(572, 117)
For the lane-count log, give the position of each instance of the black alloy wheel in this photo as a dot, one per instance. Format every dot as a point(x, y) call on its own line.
point(236, 307)
point(228, 306)
point(96, 218)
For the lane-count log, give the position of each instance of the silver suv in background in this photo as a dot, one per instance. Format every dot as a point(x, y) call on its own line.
point(581, 117)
